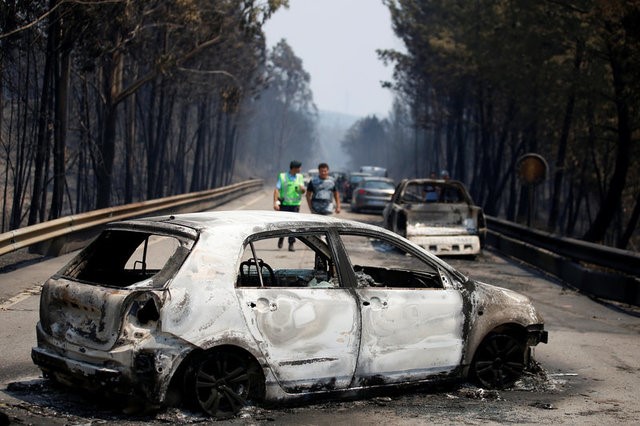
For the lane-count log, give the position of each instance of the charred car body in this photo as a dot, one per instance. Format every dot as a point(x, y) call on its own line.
point(438, 215)
point(203, 308)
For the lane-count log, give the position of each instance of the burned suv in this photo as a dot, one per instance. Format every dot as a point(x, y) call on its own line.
point(438, 215)
point(204, 309)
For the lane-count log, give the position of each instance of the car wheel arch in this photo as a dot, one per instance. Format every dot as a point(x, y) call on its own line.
point(515, 331)
point(182, 380)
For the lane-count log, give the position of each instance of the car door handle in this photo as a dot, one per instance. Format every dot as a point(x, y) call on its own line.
point(263, 305)
point(375, 303)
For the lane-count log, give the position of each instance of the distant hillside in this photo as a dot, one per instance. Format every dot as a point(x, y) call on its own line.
point(332, 126)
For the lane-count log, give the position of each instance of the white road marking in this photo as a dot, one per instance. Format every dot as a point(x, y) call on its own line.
point(20, 297)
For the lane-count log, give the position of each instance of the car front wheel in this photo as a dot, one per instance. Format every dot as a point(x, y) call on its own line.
point(499, 361)
point(222, 382)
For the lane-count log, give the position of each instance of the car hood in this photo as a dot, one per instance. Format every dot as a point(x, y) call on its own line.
point(509, 302)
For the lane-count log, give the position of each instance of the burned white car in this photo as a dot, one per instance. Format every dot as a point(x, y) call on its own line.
point(438, 215)
point(203, 309)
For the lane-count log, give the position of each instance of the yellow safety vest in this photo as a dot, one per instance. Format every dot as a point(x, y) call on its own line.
point(290, 194)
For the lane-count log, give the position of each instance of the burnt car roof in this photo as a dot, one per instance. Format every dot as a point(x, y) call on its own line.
point(244, 222)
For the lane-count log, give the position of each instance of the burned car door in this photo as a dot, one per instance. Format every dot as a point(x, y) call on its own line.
point(304, 320)
point(412, 318)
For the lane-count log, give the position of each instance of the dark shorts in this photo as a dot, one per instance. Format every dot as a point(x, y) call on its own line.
point(284, 208)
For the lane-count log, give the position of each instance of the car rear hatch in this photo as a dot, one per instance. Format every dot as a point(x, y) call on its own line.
point(84, 304)
point(81, 314)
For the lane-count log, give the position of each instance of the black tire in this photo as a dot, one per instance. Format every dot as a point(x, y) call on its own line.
point(499, 361)
point(220, 383)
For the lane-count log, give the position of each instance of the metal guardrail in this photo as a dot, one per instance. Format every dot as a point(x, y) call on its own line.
point(577, 250)
point(597, 270)
point(65, 226)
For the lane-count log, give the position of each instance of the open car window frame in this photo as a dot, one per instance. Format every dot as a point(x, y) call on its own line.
point(312, 239)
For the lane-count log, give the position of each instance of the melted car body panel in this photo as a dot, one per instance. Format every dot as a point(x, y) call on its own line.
point(203, 302)
point(492, 307)
point(309, 336)
point(80, 314)
point(409, 333)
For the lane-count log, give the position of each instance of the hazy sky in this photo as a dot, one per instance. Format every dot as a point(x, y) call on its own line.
point(337, 40)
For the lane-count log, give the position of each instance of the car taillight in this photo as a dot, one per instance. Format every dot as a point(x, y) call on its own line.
point(361, 191)
point(145, 308)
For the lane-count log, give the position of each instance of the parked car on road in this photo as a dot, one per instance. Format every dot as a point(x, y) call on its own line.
point(353, 180)
point(203, 309)
point(372, 193)
point(438, 215)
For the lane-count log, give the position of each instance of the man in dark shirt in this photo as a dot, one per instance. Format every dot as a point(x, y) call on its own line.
point(322, 195)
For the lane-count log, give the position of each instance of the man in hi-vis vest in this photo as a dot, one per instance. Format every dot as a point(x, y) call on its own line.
point(288, 194)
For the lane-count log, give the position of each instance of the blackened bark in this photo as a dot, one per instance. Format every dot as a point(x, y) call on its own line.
point(43, 135)
point(60, 134)
point(613, 196)
point(563, 142)
point(631, 225)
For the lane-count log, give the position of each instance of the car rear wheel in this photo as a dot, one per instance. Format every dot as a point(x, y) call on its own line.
point(499, 361)
point(222, 382)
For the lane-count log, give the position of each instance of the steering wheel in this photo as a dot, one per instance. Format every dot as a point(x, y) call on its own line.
point(261, 264)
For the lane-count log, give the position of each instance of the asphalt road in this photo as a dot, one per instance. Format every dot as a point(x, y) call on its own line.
point(589, 372)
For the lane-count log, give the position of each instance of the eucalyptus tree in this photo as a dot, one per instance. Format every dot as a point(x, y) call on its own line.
point(185, 31)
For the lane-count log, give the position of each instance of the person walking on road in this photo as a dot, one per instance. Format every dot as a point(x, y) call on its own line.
point(322, 194)
point(288, 194)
